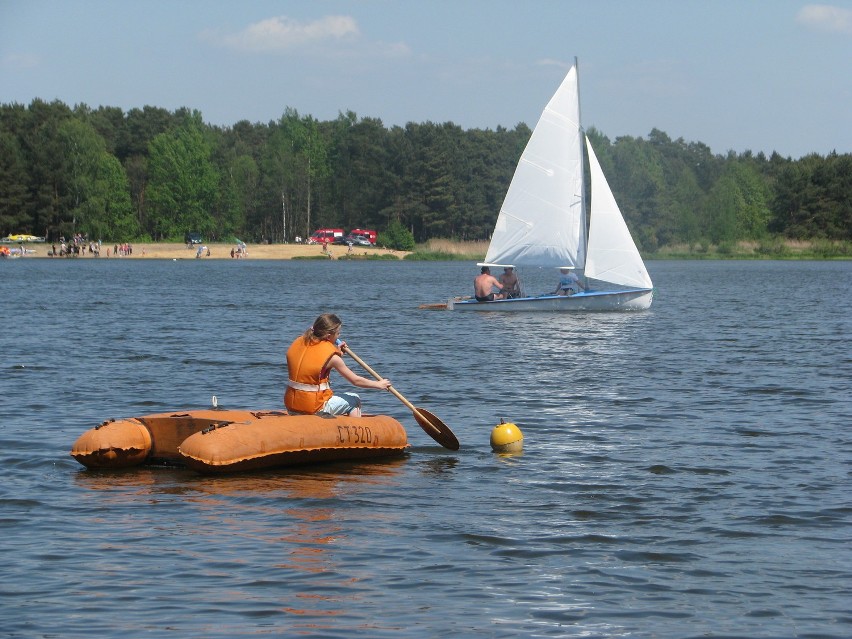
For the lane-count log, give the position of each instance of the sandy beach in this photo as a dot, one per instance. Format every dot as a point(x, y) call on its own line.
point(166, 251)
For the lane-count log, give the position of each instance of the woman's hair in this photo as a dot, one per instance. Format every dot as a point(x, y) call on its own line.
point(323, 326)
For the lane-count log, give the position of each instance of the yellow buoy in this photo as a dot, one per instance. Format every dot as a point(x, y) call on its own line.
point(506, 438)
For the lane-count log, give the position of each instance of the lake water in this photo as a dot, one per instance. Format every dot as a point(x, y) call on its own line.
point(687, 471)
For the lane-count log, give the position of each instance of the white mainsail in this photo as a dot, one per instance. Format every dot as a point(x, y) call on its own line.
point(612, 254)
point(542, 220)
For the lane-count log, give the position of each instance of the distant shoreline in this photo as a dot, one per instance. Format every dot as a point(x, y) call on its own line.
point(220, 251)
point(441, 250)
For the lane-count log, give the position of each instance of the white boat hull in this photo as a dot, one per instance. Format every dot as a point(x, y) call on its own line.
point(630, 300)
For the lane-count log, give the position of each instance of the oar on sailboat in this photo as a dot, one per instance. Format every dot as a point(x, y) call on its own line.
point(441, 306)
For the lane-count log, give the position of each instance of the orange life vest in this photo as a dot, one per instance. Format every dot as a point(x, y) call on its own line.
point(307, 388)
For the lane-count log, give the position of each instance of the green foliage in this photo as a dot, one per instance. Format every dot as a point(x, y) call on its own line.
point(360, 257)
point(813, 198)
point(726, 248)
point(769, 248)
point(13, 186)
point(396, 237)
point(437, 256)
point(827, 249)
point(183, 185)
point(154, 173)
point(106, 212)
point(772, 246)
point(97, 184)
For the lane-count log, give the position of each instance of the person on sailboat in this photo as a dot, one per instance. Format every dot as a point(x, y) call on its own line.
point(569, 283)
point(511, 285)
point(484, 285)
point(310, 359)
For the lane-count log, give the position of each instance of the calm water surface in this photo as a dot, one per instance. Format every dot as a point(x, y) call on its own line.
point(686, 470)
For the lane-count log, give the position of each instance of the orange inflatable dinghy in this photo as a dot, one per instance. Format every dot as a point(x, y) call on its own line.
point(219, 441)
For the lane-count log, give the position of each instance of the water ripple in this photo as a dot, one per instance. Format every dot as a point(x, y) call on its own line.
point(680, 475)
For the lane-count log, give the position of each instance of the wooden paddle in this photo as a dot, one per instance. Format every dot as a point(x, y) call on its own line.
point(441, 307)
point(434, 427)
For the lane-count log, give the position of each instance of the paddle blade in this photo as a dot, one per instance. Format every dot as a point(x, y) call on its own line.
point(436, 429)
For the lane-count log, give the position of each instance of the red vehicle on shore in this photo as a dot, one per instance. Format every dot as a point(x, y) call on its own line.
point(325, 236)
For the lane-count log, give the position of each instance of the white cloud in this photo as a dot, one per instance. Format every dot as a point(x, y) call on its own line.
point(552, 62)
point(19, 61)
point(825, 17)
point(282, 33)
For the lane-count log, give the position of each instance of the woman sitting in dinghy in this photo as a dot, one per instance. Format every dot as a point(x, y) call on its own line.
point(310, 359)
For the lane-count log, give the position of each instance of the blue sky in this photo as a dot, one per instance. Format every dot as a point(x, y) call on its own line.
point(770, 75)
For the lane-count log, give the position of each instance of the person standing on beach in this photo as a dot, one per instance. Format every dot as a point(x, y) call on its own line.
point(310, 359)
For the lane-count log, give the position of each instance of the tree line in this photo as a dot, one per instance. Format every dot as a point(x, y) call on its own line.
point(152, 174)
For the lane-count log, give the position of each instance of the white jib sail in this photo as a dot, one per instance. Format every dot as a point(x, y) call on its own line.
point(542, 220)
point(612, 254)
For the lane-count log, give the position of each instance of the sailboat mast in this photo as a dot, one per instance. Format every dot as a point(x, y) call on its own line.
point(584, 226)
point(579, 102)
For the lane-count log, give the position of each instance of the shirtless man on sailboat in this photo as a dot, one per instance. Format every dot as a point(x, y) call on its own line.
point(511, 285)
point(484, 284)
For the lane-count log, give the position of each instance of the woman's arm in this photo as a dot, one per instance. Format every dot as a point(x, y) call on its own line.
point(337, 363)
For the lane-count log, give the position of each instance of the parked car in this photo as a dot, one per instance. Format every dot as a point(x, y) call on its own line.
point(358, 240)
point(370, 234)
point(193, 238)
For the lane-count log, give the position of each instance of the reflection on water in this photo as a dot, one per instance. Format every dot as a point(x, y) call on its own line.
point(320, 482)
point(291, 514)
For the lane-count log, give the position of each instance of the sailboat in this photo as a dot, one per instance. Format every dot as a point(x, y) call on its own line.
point(543, 221)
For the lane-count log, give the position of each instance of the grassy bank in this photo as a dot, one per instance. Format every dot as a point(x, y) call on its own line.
point(443, 250)
point(774, 249)
point(447, 250)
